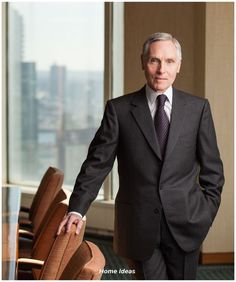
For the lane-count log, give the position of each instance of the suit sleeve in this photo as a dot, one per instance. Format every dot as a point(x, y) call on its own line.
point(211, 176)
point(99, 162)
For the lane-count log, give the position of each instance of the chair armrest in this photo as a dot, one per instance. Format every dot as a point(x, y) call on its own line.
point(28, 264)
point(24, 209)
point(26, 223)
point(26, 234)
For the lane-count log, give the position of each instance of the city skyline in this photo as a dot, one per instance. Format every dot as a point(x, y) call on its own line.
point(64, 119)
point(53, 111)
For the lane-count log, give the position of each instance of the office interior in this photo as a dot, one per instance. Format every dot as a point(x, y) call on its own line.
point(206, 33)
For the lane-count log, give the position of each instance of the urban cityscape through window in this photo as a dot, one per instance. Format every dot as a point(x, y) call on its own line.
point(55, 86)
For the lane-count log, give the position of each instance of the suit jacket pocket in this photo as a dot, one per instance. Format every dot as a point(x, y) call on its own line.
point(186, 206)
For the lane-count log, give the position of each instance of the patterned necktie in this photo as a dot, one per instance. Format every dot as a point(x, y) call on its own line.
point(161, 123)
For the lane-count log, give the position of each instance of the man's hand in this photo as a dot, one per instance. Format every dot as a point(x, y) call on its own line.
point(68, 220)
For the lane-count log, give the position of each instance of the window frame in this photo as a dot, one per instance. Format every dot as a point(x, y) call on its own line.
point(4, 149)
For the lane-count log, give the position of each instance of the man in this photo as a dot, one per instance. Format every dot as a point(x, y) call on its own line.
point(170, 171)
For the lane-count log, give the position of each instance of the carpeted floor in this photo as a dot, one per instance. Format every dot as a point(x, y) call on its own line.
point(116, 269)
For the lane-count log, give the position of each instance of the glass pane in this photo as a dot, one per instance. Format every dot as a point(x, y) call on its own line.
point(55, 91)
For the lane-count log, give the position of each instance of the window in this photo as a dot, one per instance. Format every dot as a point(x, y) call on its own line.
point(55, 86)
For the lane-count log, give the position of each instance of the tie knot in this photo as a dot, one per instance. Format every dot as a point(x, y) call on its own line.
point(161, 99)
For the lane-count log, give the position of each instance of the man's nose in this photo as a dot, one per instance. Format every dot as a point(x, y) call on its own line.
point(161, 67)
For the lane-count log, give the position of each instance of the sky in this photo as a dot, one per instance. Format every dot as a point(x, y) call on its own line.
point(63, 33)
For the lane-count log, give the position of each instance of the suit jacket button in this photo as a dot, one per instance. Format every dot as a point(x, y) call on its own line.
point(156, 211)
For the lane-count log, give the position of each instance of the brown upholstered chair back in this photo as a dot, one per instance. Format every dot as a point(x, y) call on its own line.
point(26, 247)
point(61, 196)
point(47, 236)
point(61, 252)
point(86, 264)
point(50, 184)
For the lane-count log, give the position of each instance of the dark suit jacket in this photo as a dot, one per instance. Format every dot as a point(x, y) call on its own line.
point(188, 181)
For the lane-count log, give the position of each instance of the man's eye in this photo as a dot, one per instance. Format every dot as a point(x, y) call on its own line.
point(170, 61)
point(153, 60)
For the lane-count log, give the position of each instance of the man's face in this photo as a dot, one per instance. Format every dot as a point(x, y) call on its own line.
point(161, 65)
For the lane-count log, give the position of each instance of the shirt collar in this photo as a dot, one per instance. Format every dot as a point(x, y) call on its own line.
point(152, 95)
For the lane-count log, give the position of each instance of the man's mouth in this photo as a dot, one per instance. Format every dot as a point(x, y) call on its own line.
point(160, 78)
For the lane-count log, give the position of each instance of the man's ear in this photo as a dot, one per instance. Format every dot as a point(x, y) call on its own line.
point(142, 61)
point(178, 69)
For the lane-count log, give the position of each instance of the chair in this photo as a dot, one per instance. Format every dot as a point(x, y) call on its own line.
point(49, 186)
point(44, 242)
point(70, 260)
point(86, 264)
point(28, 239)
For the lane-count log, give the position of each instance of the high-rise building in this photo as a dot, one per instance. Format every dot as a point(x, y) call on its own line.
point(57, 85)
point(29, 118)
point(15, 57)
point(57, 82)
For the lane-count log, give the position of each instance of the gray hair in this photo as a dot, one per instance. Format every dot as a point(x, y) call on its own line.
point(161, 36)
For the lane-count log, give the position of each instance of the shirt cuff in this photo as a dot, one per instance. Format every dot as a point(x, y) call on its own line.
point(77, 213)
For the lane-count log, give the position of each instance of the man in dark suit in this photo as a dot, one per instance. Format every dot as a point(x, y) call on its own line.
point(170, 171)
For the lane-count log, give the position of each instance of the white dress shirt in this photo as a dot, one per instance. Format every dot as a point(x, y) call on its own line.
point(151, 98)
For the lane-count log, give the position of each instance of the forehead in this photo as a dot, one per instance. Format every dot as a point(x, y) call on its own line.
point(163, 48)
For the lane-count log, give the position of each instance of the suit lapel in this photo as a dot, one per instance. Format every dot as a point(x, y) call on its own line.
point(142, 115)
point(177, 117)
